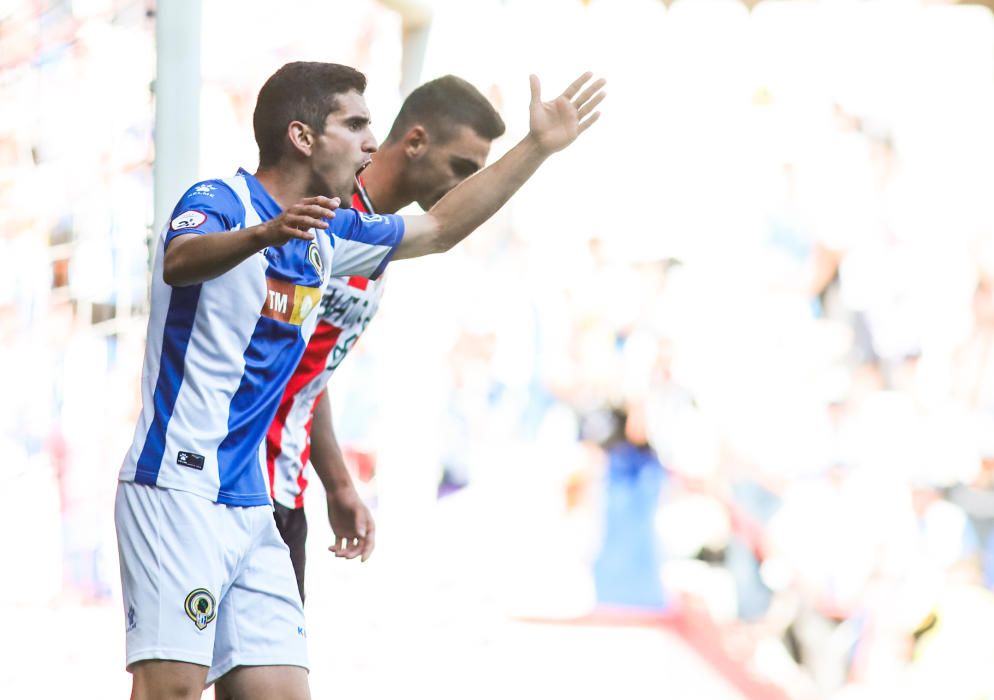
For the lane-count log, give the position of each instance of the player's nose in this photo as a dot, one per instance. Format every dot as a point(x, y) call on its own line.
point(370, 145)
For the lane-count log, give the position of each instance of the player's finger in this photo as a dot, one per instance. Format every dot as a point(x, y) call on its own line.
point(591, 90)
point(303, 223)
point(590, 106)
point(315, 211)
point(363, 522)
point(366, 527)
point(587, 123)
point(536, 88)
point(575, 86)
point(291, 232)
point(351, 548)
point(368, 544)
point(327, 202)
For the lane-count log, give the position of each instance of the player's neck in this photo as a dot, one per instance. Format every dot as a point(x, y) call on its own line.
point(286, 185)
point(381, 182)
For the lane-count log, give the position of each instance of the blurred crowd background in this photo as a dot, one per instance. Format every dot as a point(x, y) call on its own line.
point(724, 369)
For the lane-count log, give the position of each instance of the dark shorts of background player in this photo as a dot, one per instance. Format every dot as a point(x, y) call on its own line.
point(292, 524)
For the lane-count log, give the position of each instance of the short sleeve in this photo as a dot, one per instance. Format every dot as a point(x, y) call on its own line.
point(207, 207)
point(363, 243)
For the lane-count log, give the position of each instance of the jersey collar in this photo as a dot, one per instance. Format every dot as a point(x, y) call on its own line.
point(261, 200)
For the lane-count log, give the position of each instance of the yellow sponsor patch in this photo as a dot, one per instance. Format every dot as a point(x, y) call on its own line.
point(288, 302)
point(305, 300)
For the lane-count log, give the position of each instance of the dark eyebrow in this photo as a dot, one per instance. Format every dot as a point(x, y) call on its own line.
point(358, 119)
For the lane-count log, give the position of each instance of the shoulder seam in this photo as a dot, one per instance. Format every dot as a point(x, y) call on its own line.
point(234, 195)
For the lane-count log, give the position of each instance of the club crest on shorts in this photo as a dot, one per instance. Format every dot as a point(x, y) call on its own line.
point(200, 607)
point(314, 257)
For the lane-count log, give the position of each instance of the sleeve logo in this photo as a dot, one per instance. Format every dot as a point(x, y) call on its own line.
point(205, 189)
point(371, 218)
point(188, 219)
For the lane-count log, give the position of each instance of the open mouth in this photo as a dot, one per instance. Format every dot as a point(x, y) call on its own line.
point(363, 167)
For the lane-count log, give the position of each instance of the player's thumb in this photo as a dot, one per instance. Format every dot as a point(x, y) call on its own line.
point(536, 88)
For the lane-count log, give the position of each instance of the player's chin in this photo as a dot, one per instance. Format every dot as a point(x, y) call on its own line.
point(343, 187)
point(325, 187)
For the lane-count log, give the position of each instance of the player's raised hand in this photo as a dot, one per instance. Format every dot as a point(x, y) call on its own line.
point(555, 125)
point(297, 220)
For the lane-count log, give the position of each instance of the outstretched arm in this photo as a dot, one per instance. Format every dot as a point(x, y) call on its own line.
point(552, 127)
point(348, 516)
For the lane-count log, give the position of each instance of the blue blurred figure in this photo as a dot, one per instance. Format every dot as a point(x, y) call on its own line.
point(626, 572)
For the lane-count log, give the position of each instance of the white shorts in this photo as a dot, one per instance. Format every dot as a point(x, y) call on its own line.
point(206, 583)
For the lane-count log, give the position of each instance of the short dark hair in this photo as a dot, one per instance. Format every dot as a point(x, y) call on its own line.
point(301, 91)
point(444, 103)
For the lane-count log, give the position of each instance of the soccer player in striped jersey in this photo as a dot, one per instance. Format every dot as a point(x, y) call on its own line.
point(441, 136)
point(208, 587)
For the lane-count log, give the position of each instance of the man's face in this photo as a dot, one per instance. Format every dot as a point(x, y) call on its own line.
point(445, 165)
point(343, 148)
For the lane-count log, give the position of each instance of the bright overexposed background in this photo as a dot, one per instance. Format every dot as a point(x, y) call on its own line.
point(707, 411)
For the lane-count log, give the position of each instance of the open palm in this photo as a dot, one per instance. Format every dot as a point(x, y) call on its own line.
point(556, 124)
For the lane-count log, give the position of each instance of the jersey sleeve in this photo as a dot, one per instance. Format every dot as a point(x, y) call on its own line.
point(363, 243)
point(207, 207)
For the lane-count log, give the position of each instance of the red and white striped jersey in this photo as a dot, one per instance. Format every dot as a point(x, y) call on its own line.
point(347, 306)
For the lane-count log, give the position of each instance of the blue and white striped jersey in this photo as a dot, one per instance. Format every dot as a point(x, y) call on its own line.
point(219, 353)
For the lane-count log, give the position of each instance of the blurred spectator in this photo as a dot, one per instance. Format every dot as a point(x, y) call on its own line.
point(627, 569)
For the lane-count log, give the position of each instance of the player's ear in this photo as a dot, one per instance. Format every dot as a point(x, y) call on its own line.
point(301, 137)
point(415, 141)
